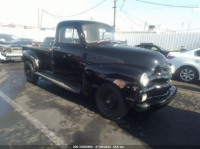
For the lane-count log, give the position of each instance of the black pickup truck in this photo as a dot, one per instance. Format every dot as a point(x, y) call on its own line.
point(86, 59)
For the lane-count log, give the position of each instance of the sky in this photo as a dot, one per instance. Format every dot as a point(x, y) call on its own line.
point(131, 14)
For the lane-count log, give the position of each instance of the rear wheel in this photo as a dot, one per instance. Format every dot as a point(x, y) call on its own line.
point(188, 74)
point(29, 73)
point(110, 102)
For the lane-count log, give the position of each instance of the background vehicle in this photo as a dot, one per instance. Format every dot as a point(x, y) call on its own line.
point(28, 42)
point(153, 47)
point(48, 43)
point(4, 38)
point(12, 40)
point(187, 64)
point(10, 46)
point(8, 49)
point(8, 53)
point(21, 42)
point(86, 58)
point(34, 43)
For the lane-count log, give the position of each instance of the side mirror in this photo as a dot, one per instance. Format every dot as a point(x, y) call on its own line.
point(2, 40)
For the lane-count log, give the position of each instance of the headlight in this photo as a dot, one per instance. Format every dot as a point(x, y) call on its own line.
point(144, 80)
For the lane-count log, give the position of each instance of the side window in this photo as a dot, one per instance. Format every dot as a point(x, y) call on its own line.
point(141, 46)
point(68, 35)
point(146, 47)
point(104, 35)
point(154, 49)
point(197, 53)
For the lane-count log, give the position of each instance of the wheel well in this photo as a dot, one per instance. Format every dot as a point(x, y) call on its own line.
point(28, 61)
point(108, 82)
point(95, 86)
point(32, 63)
point(190, 67)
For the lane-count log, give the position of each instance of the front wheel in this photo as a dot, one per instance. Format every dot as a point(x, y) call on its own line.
point(29, 73)
point(188, 74)
point(110, 102)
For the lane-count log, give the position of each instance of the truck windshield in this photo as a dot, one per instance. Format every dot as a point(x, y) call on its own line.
point(96, 33)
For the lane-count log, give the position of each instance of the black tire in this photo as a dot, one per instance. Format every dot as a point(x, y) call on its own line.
point(188, 74)
point(29, 73)
point(110, 102)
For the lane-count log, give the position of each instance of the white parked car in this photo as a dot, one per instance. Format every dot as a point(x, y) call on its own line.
point(187, 64)
point(10, 53)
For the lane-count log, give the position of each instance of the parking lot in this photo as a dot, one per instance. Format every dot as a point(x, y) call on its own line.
point(46, 114)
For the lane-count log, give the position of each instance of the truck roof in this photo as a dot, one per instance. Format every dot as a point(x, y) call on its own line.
point(80, 22)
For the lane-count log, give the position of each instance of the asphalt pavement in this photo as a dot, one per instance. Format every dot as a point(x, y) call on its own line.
point(45, 114)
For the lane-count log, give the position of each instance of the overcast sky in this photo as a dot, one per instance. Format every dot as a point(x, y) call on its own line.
point(132, 15)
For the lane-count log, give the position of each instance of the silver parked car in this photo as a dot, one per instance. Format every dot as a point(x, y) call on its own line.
point(9, 50)
point(186, 64)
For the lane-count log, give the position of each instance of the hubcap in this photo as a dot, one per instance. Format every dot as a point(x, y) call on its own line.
point(187, 74)
point(110, 103)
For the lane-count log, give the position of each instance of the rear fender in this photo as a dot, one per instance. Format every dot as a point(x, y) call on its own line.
point(31, 56)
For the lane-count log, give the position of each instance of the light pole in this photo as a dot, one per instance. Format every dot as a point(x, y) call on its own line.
point(114, 21)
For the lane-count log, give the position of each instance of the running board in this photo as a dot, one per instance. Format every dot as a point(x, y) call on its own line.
point(64, 84)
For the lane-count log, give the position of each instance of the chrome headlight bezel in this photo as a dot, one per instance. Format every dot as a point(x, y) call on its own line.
point(144, 80)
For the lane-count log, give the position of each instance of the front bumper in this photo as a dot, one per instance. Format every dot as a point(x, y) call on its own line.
point(157, 102)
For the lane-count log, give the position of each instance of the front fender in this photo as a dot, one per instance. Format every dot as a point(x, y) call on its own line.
point(31, 56)
point(97, 74)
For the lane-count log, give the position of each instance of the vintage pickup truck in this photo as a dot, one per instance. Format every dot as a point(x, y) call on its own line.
point(86, 59)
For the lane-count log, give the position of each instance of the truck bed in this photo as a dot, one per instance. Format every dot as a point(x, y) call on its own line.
point(43, 55)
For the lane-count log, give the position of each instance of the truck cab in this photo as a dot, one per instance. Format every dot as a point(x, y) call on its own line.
point(87, 59)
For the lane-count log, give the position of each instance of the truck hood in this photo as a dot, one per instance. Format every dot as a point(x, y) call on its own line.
point(127, 56)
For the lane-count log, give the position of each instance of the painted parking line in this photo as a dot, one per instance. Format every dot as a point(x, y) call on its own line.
point(38, 125)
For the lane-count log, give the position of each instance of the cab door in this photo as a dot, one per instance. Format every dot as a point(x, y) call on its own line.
point(67, 55)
